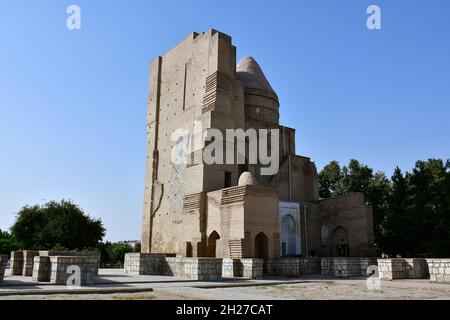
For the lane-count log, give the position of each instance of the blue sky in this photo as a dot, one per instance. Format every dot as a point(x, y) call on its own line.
point(73, 103)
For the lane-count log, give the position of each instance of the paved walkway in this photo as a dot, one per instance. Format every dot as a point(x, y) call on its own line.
point(116, 281)
point(114, 284)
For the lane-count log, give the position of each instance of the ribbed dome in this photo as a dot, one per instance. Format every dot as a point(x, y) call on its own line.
point(247, 179)
point(250, 73)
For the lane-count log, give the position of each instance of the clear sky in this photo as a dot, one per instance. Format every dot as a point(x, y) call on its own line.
point(73, 103)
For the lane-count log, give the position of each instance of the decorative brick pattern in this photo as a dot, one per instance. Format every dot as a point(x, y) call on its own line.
point(193, 202)
point(233, 194)
point(215, 82)
point(439, 270)
point(3, 262)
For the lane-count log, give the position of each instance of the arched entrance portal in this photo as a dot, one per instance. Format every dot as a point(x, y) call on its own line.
point(339, 243)
point(212, 239)
point(289, 236)
point(261, 246)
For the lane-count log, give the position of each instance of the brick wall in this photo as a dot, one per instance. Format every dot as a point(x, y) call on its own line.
point(293, 267)
point(390, 269)
point(3, 262)
point(231, 268)
point(193, 268)
point(41, 269)
point(416, 269)
point(163, 264)
point(16, 263)
point(28, 260)
point(252, 268)
point(439, 270)
point(144, 263)
point(341, 267)
point(59, 269)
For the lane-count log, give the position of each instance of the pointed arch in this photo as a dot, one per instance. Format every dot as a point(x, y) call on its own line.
point(261, 246)
point(212, 244)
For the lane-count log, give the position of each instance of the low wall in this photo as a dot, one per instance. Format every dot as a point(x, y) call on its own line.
point(252, 268)
point(416, 268)
point(391, 269)
point(59, 267)
point(3, 261)
point(293, 267)
point(341, 267)
point(400, 268)
point(365, 263)
point(145, 263)
point(249, 268)
point(231, 268)
point(310, 266)
point(58, 253)
point(439, 270)
point(193, 268)
point(16, 263)
point(28, 260)
point(168, 264)
point(41, 269)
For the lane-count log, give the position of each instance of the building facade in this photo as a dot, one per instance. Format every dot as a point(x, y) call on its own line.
point(195, 209)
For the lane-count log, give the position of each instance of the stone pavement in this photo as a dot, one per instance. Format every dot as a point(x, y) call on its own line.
point(114, 284)
point(116, 281)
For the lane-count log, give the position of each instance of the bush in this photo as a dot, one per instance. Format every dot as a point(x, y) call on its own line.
point(114, 253)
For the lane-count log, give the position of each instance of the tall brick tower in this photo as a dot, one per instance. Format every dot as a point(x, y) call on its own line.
point(193, 82)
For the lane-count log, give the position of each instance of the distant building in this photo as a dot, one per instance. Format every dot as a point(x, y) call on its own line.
point(132, 242)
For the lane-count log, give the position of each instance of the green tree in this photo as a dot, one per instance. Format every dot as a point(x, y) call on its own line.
point(7, 243)
point(329, 179)
point(411, 211)
point(56, 224)
point(396, 225)
point(417, 221)
point(377, 195)
point(113, 253)
point(137, 247)
point(430, 207)
point(355, 178)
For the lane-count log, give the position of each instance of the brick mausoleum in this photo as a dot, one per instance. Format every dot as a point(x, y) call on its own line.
point(232, 211)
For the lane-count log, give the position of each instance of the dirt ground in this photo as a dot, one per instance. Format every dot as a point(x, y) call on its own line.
point(314, 290)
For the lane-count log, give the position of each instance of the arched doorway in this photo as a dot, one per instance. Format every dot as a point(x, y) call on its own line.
point(289, 236)
point(339, 242)
point(212, 239)
point(261, 246)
